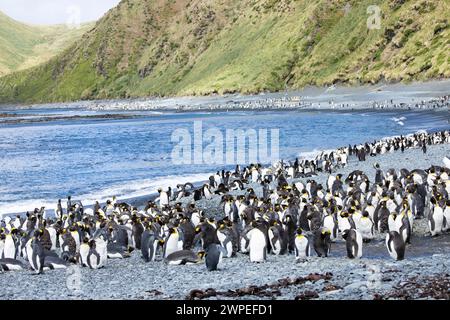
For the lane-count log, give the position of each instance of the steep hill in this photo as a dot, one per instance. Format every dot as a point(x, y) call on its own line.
point(184, 47)
point(23, 46)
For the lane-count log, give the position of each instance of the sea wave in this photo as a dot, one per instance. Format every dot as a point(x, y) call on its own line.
point(121, 191)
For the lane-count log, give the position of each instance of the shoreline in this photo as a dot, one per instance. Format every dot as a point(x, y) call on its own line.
point(426, 89)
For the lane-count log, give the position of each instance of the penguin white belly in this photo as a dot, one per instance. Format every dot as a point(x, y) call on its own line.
point(221, 237)
point(9, 250)
point(13, 267)
point(94, 261)
point(392, 224)
point(58, 266)
point(302, 249)
point(53, 236)
point(356, 218)
point(257, 246)
point(391, 206)
point(84, 251)
point(101, 248)
point(163, 199)
point(171, 245)
point(358, 254)
point(227, 210)
point(195, 219)
point(344, 224)
point(330, 182)
point(370, 210)
point(255, 176)
point(365, 228)
point(229, 249)
point(116, 255)
point(438, 218)
point(392, 253)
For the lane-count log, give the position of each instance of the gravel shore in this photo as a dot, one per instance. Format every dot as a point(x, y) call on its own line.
point(375, 276)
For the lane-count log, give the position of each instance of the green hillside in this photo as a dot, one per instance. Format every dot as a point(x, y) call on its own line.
point(184, 47)
point(23, 46)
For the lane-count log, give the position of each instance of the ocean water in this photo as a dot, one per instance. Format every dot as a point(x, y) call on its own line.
point(94, 159)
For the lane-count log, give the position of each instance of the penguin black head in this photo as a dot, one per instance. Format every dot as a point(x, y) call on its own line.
point(299, 231)
point(344, 214)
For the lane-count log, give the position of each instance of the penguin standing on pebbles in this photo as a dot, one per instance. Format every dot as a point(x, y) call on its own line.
point(257, 245)
point(395, 245)
point(213, 256)
point(353, 240)
point(10, 247)
point(366, 227)
point(173, 242)
point(35, 252)
point(322, 242)
point(94, 259)
point(436, 218)
point(150, 244)
point(84, 252)
point(302, 247)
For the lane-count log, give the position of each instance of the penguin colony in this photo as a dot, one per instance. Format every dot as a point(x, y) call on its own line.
point(283, 103)
point(301, 218)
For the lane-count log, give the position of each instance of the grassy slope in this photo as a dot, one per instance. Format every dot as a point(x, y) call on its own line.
point(24, 46)
point(179, 47)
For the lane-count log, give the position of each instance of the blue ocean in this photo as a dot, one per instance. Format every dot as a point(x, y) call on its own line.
point(94, 159)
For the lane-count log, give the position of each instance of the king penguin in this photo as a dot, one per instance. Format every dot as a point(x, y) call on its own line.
point(94, 259)
point(353, 240)
point(302, 247)
point(213, 256)
point(35, 252)
point(150, 244)
point(257, 245)
point(436, 218)
point(322, 242)
point(395, 245)
point(173, 242)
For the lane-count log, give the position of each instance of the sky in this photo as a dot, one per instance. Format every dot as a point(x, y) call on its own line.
point(56, 11)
